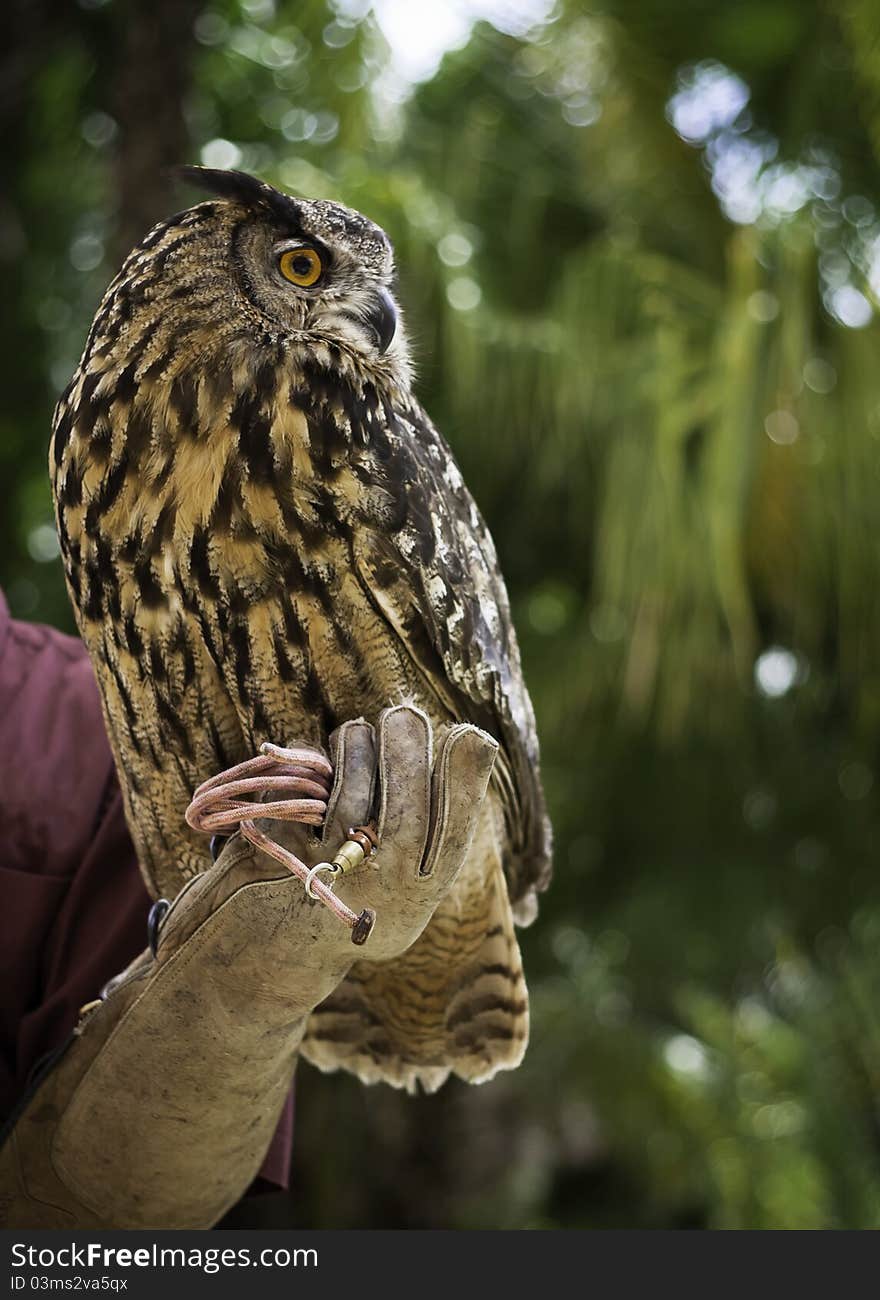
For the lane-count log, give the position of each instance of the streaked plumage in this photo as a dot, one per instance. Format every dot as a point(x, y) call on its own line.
point(264, 535)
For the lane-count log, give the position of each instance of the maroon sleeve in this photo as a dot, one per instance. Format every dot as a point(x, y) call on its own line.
point(73, 905)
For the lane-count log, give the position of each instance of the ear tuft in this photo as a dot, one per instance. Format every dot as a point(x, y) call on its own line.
point(242, 188)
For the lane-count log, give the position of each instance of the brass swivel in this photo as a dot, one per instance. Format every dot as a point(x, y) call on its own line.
point(360, 845)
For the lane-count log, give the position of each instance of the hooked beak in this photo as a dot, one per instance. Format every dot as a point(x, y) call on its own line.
point(382, 318)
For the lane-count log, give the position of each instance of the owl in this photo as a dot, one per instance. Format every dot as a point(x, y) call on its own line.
point(263, 536)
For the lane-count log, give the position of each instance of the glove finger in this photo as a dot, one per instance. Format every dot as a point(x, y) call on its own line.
point(404, 784)
point(461, 775)
point(353, 755)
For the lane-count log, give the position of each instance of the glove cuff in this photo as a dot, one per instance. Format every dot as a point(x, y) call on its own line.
point(160, 1112)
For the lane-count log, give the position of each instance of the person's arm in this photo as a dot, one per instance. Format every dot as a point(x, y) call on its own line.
point(159, 1113)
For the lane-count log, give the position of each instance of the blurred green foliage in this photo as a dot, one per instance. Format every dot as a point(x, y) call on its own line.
point(640, 255)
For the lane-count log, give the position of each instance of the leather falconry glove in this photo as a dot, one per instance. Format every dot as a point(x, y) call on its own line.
point(160, 1111)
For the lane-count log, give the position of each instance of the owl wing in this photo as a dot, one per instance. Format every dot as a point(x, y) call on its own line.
point(429, 564)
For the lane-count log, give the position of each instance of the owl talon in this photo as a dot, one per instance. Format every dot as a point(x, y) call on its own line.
point(218, 805)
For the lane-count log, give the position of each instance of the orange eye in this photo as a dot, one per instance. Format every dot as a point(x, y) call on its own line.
point(300, 266)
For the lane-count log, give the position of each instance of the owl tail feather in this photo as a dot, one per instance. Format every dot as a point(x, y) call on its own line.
point(454, 1003)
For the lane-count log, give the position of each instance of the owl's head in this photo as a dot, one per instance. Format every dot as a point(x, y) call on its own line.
point(255, 265)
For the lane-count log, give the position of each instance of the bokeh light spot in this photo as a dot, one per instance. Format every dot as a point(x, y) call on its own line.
point(99, 130)
point(711, 97)
point(86, 252)
point(210, 28)
point(463, 293)
point(782, 428)
point(819, 375)
point(42, 544)
point(847, 305)
point(685, 1055)
point(220, 153)
point(455, 249)
point(777, 670)
point(763, 306)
